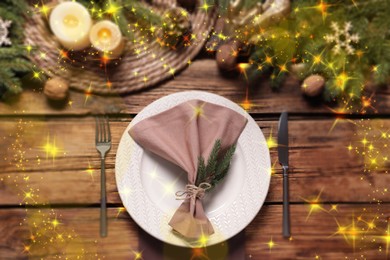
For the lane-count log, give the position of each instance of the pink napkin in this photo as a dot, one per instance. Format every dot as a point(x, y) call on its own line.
point(182, 134)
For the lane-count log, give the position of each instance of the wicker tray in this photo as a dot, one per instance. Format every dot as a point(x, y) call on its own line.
point(133, 72)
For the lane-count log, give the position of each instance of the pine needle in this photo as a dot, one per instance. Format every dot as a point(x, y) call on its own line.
point(216, 168)
point(213, 158)
point(201, 174)
point(13, 59)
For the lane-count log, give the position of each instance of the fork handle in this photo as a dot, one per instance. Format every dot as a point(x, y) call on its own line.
point(103, 202)
point(286, 205)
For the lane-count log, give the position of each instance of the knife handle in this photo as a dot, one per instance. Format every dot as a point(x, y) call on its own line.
point(286, 204)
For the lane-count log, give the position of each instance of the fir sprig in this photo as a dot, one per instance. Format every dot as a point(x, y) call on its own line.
point(300, 37)
point(217, 165)
point(213, 158)
point(13, 59)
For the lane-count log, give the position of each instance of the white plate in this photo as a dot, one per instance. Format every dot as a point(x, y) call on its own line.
point(147, 183)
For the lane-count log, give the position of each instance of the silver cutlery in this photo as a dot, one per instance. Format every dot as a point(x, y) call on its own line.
point(103, 145)
point(283, 160)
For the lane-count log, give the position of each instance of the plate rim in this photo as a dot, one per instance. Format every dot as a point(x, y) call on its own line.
point(180, 98)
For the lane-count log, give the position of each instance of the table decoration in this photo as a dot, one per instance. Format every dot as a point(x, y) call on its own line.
point(70, 22)
point(106, 37)
point(56, 89)
point(313, 85)
point(14, 62)
point(347, 48)
point(147, 183)
point(4, 37)
point(185, 135)
point(176, 27)
point(146, 60)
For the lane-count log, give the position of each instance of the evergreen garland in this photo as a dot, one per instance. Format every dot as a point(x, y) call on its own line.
point(300, 38)
point(129, 15)
point(217, 166)
point(13, 59)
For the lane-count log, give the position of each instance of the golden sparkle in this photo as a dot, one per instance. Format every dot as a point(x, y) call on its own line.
point(342, 80)
point(202, 240)
point(44, 9)
point(88, 94)
point(246, 104)
point(386, 239)
point(50, 148)
point(29, 48)
point(268, 60)
point(55, 223)
point(271, 244)
point(333, 207)
point(36, 75)
point(314, 205)
point(112, 9)
point(120, 210)
point(198, 111)
point(205, 6)
point(26, 249)
point(243, 68)
point(137, 255)
point(350, 232)
point(90, 170)
point(271, 141)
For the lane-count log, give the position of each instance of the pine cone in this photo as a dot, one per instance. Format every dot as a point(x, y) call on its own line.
point(176, 25)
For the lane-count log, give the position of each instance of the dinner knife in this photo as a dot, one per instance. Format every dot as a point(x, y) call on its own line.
point(283, 160)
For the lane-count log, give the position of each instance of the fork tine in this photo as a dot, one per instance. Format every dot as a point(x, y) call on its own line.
point(96, 130)
point(100, 129)
point(104, 129)
point(108, 130)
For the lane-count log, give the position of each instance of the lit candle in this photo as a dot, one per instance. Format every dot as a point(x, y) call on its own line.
point(71, 22)
point(106, 37)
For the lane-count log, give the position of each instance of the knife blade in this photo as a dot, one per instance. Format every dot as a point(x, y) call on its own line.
point(283, 160)
point(283, 139)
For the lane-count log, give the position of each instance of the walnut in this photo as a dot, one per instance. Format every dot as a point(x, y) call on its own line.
point(56, 89)
point(313, 85)
point(227, 56)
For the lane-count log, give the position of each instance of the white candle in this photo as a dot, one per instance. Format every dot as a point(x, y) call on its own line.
point(71, 22)
point(106, 37)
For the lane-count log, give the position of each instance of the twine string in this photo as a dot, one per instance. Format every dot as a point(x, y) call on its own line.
point(192, 191)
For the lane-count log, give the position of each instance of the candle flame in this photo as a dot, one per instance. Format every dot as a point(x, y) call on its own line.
point(71, 21)
point(104, 35)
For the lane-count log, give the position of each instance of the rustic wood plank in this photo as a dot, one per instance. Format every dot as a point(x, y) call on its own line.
point(320, 161)
point(201, 75)
point(122, 240)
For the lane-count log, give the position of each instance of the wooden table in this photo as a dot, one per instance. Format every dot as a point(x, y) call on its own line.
point(50, 172)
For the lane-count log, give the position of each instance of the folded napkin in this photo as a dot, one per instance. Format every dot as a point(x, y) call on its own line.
point(181, 135)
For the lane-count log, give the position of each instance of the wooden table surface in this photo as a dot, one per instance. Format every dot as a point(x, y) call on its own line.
point(50, 172)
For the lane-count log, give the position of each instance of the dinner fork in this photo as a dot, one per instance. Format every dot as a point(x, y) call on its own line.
point(103, 145)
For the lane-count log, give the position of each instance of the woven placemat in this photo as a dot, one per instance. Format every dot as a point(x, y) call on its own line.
point(140, 67)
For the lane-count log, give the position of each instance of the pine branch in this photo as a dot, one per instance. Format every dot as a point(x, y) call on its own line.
point(201, 174)
point(13, 60)
point(216, 168)
point(123, 24)
point(9, 83)
point(213, 158)
point(225, 163)
point(17, 65)
point(12, 52)
point(139, 13)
